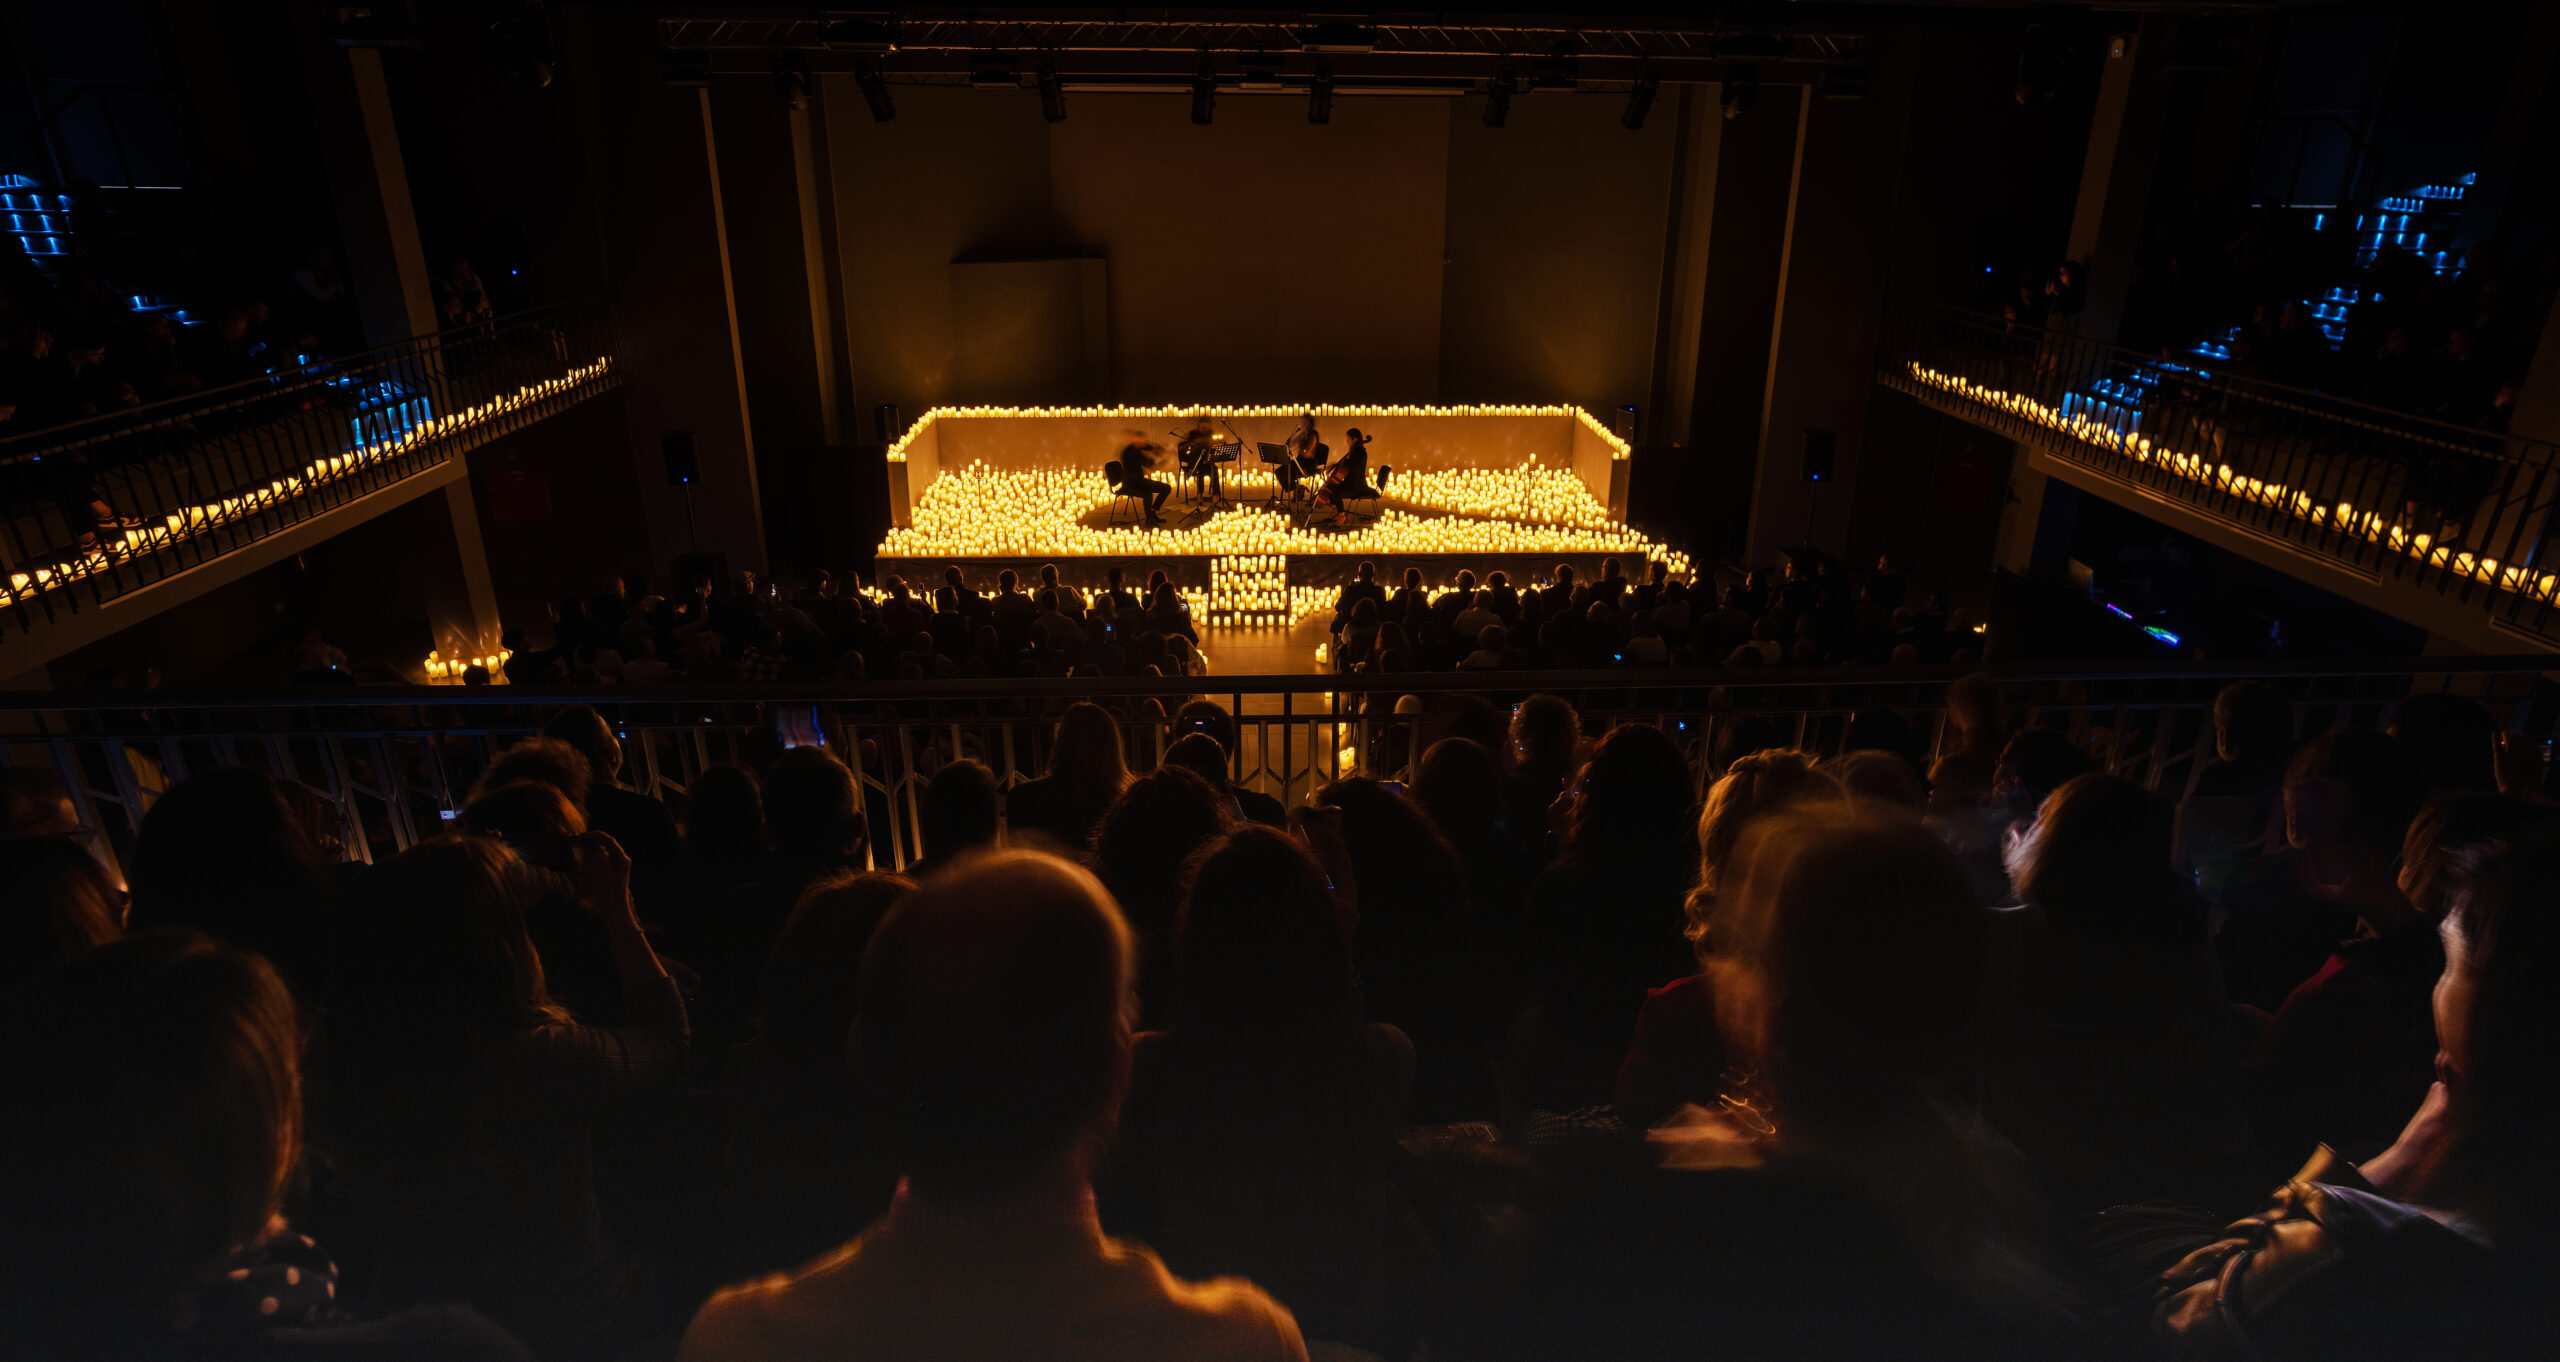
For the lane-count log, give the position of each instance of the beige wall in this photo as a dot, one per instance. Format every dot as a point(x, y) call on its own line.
point(1261, 258)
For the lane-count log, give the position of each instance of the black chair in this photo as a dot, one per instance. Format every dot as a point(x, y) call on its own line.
point(1122, 496)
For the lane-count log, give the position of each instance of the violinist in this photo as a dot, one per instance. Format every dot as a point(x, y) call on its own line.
point(1128, 474)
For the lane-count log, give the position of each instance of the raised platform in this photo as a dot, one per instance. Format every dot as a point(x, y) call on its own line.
point(1516, 490)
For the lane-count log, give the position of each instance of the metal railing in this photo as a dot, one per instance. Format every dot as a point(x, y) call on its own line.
point(2460, 512)
point(396, 763)
point(190, 479)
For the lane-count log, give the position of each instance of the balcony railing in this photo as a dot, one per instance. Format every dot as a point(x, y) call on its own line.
point(193, 478)
point(396, 764)
point(2458, 512)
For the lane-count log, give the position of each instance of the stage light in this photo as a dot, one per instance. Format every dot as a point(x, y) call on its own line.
point(1320, 96)
point(1640, 100)
point(875, 92)
point(1053, 94)
point(1497, 99)
point(1741, 91)
point(1204, 92)
point(791, 80)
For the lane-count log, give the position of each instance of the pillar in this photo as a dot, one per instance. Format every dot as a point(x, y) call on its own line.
point(2115, 177)
point(655, 154)
point(395, 294)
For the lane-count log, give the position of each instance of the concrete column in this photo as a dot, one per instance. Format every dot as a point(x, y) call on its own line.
point(1672, 408)
point(386, 266)
point(1748, 204)
point(1832, 282)
point(2115, 179)
point(653, 153)
point(395, 294)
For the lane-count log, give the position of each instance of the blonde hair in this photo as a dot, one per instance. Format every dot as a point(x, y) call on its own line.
point(1751, 789)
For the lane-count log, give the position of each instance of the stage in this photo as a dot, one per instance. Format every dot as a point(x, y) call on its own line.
point(1513, 489)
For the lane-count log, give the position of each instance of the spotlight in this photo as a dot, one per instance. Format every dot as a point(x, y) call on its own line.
point(1497, 100)
point(1053, 94)
point(1741, 91)
point(1320, 95)
point(791, 80)
point(875, 92)
point(1204, 92)
point(1640, 100)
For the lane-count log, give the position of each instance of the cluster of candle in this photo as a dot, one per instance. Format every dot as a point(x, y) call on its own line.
point(449, 671)
point(190, 521)
point(1249, 589)
point(2344, 517)
point(1531, 492)
point(977, 512)
point(1618, 448)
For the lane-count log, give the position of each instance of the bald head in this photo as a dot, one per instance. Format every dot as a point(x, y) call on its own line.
point(993, 1023)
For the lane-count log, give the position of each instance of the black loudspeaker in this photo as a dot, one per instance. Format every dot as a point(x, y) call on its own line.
point(682, 466)
point(1820, 448)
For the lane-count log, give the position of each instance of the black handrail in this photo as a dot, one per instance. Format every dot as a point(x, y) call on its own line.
point(108, 424)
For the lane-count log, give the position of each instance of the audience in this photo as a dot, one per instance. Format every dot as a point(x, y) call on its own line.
point(1087, 770)
point(992, 1032)
point(1531, 1057)
point(459, 1100)
point(1261, 1122)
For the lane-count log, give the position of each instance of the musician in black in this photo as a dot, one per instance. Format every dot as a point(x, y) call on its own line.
point(1128, 474)
point(1199, 450)
point(1307, 455)
point(1348, 479)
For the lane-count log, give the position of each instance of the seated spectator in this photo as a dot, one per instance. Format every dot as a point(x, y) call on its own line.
point(1478, 616)
point(1491, 643)
point(2348, 800)
point(814, 815)
point(540, 827)
point(1259, 1125)
point(724, 835)
point(1978, 717)
point(1212, 718)
point(1424, 964)
point(806, 1170)
point(1879, 783)
point(1841, 1200)
point(2114, 1058)
point(638, 823)
point(1546, 744)
point(153, 1127)
point(2252, 740)
point(2441, 1245)
point(2353, 1049)
point(1459, 787)
point(1604, 922)
point(1087, 770)
point(961, 813)
point(223, 853)
point(1677, 1055)
point(461, 1098)
point(1140, 849)
point(62, 904)
point(991, 1025)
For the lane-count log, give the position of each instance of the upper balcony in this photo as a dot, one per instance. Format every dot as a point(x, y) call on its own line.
point(115, 518)
point(2440, 525)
